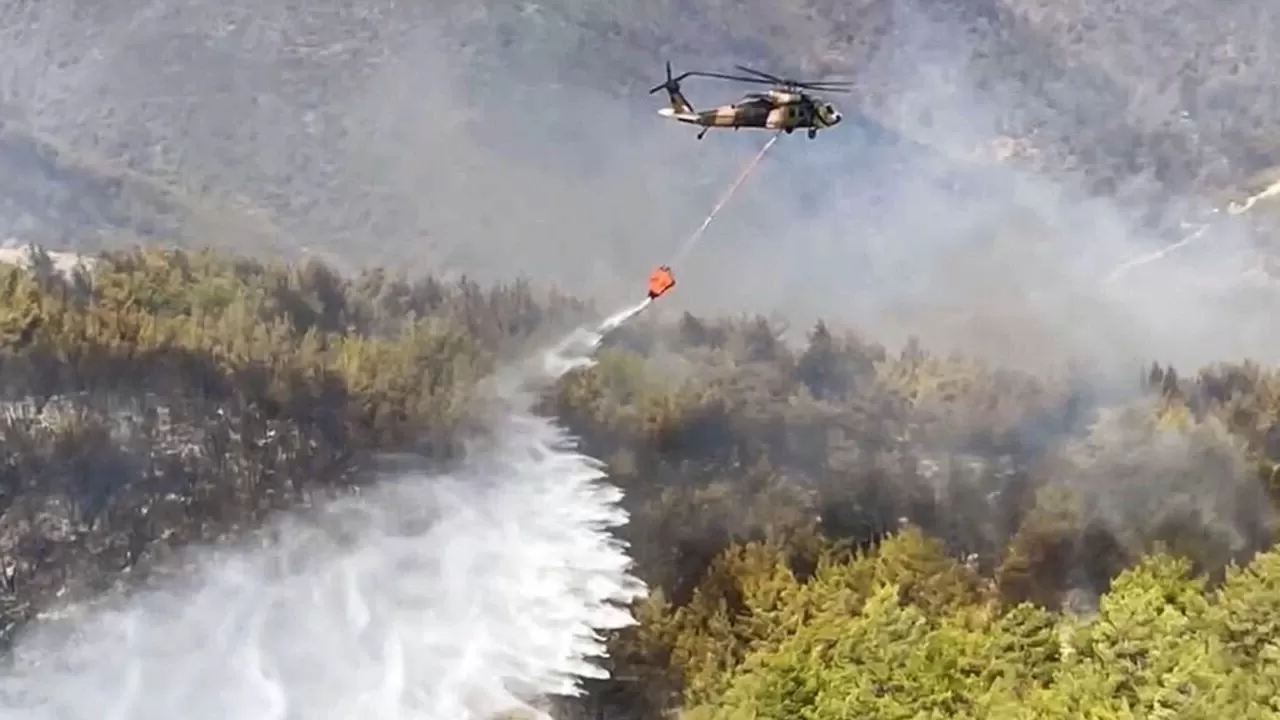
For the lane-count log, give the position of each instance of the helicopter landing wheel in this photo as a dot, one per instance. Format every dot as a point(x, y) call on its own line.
point(812, 133)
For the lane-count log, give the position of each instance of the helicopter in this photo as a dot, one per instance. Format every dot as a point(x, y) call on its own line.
point(785, 107)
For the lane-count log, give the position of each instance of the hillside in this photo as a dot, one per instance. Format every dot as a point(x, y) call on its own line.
point(309, 127)
point(994, 480)
point(1007, 529)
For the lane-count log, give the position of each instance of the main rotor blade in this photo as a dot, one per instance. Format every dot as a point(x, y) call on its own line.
point(825, 88)
point(765, 79)
point(723, 76)
point(757, 73)
point(815, 84)
point(821, 85)
point(829, 83)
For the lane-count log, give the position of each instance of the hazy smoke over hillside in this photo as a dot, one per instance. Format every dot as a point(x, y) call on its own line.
point(1000, 160)
point(498, 139)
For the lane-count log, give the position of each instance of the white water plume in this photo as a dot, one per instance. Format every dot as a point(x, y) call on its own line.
point(433, 598)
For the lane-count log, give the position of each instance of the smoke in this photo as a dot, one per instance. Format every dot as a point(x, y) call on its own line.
point(1194, 487)
point(424, 597)
point(1000, 162)
point(499, 139)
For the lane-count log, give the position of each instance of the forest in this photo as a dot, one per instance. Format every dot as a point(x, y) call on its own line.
point(828, 531)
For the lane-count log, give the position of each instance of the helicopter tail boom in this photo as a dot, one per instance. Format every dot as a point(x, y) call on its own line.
point(684, 117)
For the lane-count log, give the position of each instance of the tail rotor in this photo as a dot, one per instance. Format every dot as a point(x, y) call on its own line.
point(672, 85)
point(678, 104)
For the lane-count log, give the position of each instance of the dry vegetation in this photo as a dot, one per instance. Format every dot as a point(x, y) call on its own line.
point(1164, 97)
point(830, 531)
point(1179, 93)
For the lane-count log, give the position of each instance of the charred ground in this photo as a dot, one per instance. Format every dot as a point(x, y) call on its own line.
point(897, 499)
point(167, 397)
point(1175, 110)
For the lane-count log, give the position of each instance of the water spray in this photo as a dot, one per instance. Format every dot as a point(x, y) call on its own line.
point(455, 597)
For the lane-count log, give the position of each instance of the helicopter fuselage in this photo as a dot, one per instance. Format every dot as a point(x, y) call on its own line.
point(784, 107)
point(775, 110)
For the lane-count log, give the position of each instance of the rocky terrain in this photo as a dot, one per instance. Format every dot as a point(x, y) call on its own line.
point(1062, 533)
